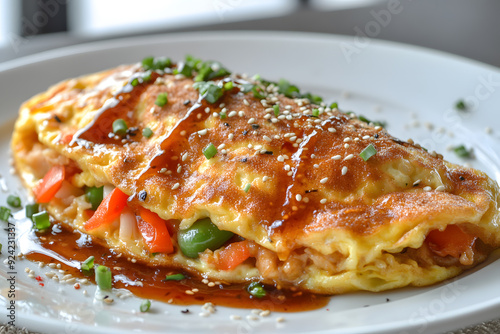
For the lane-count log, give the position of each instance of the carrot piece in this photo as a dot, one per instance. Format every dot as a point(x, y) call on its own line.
point(154, 232)
point(109, 210)
point(46, 189)
point(452, 241)
point(233, 255)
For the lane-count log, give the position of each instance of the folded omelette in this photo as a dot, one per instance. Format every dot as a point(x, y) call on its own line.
point(239, 179)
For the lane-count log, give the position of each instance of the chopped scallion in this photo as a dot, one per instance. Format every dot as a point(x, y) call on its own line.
point(209, 151)
point(41, 220)
point(88, 264)
point(315, 112)
point(146, 76)
point(161, 99)
point(460, 105)
point(223, 114)
point(120, 127)
point(334, 105)
point(147, 132)
point(134, 82)
point(256, 289)
point(103, 277)
point(174, 277)
point(4, 213)
point(247, 187)
point(368, 152)
point(462, 151)
point(145, 305)
point(228, 85)
point(276, 109)
point(31, 209)
point(14, 201)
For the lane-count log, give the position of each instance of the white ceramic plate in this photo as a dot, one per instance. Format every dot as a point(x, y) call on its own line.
point(413, 89)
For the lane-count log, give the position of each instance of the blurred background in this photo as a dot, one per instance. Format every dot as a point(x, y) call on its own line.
point(463, 27)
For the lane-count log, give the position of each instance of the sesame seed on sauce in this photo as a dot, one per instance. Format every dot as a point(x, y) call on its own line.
point(346, 145)
point(221, 146)
point(349, 157)
point(323, 180)
point(281, 158)
point(332, 130)
point(245, 102)
point(207, 110)
point(265, 178)
point(175, 186)
point(344, 170)
point(266, 138)
point(230, 136)
point(232, 114)
point(203, 132)
point(366, 137)
point(298, 197)
point(337, 157)
point(427, 188)
point(251, 120)
point(441, 188)
point(184, 156)
point(183, 132)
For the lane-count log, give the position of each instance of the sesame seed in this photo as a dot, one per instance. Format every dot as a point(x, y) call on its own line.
point(416, 182)
point(281, 117)
point(298, 197)
point(241, 113)
point(252, 317)
point(441, 188)
point(287, 167)
point(274, 120)
point(163, 170)
point(266, 138)
point(207, 109)
point(250, 146)
point(349, 157)
point(232, 114)
point(235, 317)
point(323, 180)
point(245, 102)
point(199, 116)
point(257, 147)
point(347, 139)
point(366, 137)
point(333, 130)
point(267, 116)
point(251, 120)
point(223, 151)
point(211, 284)
point(203, 132)
point(344, 170)
point(281, 158)
point(189, 292)
point(346, 145)
point(265, 313)
point(337, 157)
point(280, 319)
point(179, 169)
point(176, 186)
point(58, 266)
point(230, 136)
point(184, 156)
point(427, 188)
point(294, 208)
point(305, 200)
point(316, 166)
point(221, 146)
point(265, 178)
point(215, 114)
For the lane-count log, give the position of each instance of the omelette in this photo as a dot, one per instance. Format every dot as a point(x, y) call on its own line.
point(239, 179)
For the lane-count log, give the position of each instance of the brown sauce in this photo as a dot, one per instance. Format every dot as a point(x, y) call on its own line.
point(70, 248)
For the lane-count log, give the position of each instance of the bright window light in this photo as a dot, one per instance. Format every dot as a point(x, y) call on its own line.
point(6, 24)
point(94, 17)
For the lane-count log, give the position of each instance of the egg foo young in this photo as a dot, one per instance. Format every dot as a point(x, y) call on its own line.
point(241, 179)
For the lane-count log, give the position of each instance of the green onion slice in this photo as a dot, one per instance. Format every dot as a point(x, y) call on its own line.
point(41, 220)
point(462, 151)
point(31, 209)
point(223, 114)
point(247, 187)
point(276, 109)
point(174, 277)
point(119, 127)
point(334, 105)
point(228, 85)
point(315, 112)
point(145, 305)
point(460, 105)
point(147, 132)
point(14, 201)
point(88, 264)
point(161, 99)
point(103, 277)
point(134, 82)
point(4, 213)
point(209, 151)
point(256, 289)
point(368, 152)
